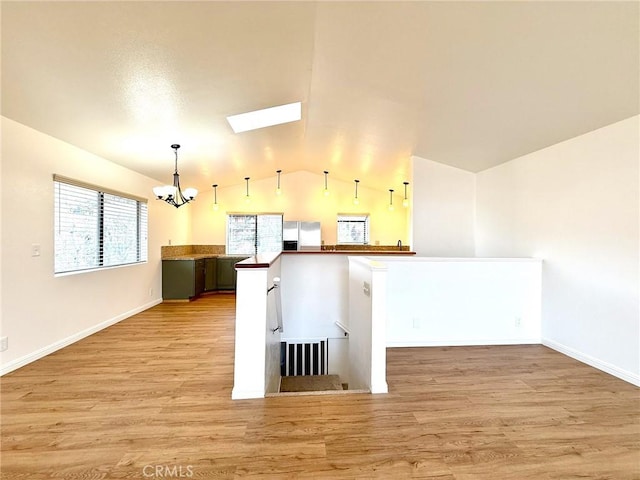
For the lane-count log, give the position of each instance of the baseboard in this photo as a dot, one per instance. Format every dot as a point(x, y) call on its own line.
point(379, 387)
point(463, 343)
point(43, 352)
point(606, 367)
point(237, 394)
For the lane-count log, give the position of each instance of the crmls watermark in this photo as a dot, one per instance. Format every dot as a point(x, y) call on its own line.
point(167, 471)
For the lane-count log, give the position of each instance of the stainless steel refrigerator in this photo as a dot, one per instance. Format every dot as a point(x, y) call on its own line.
point(301, 236)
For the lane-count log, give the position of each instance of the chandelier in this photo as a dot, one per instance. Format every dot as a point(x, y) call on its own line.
point(172, 194)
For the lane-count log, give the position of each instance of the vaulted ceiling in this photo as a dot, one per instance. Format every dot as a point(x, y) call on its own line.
point(468, 84)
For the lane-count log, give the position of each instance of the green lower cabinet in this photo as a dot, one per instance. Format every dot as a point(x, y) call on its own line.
point(227, 272)
point(185, 279)
point(199, 276)
point(178, 279)
point(210, 274)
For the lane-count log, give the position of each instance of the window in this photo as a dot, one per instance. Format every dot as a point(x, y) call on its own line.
point(251, 234)
point(353, 229)
point(96, 228)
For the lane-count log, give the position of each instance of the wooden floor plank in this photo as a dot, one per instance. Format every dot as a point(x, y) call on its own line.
point(155, 390)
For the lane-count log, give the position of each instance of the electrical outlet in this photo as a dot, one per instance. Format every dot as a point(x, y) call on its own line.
point(416, 322)
point(518, 322)
point(4, 343)
point(151, 292)
point(35, 249)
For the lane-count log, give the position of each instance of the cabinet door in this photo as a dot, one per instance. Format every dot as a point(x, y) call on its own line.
point(226, 273)
point(199, 277)
point(178, 279)
point(210, 274)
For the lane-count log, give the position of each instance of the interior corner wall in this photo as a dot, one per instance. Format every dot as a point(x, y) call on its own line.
point(443, 210)
point(575, 204)
point(42, 312)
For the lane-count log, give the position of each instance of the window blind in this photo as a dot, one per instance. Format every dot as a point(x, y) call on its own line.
point(251, 234)
point(96, 229)
point(353, 229)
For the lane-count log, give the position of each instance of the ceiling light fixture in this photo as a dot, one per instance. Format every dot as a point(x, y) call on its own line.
point(278, 189)
point(356, 201)
point(326, 188)
point(405, 201)
point(266, 117)
point(215, 197)
point(172, 194)
point(247, 198)
point(391, 199)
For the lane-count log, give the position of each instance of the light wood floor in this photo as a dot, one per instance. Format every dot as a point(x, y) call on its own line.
point(155, 390)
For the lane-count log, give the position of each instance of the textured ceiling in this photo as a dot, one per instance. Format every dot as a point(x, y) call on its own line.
point(468, 84)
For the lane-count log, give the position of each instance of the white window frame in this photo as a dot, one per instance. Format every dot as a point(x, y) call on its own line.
point(87, 242)
point(359, 219)
point(256, 248)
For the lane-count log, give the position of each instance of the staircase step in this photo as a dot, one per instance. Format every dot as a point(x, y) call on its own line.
point(310, 383)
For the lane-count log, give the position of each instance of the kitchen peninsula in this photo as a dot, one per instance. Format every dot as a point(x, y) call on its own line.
point(191, 270)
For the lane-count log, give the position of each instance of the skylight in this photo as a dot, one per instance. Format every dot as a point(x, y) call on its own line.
point(266, 117)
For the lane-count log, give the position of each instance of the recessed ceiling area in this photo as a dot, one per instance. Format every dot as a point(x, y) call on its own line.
point(467, 84)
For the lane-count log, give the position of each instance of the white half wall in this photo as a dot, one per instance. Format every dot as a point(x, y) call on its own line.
point(443, 210)
point(576, 205)
point(462, 301)
point(42, 313)
point(367, 320)
point(256, 369)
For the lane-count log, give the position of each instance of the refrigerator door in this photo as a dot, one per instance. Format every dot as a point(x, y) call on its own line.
point(290, 231)
point(309, 237)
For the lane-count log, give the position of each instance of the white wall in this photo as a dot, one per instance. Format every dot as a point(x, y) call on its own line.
point(314, 296)
point(458, 301)
point(575, 204)
point(367, 320)
point(40, 312)
point(443, 210)
point(302, 199)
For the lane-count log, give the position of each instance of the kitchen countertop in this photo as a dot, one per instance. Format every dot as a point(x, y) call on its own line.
point(198, 256)
point(349, 252)
point(256, 259)
point(264, 260)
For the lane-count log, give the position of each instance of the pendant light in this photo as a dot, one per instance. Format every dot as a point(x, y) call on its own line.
point(172, 194)
point(405, 201)
point(247, 198)
point(215, 197)
point(278, 190)
point(326, 188)
point(356, 201)
point(391, 199)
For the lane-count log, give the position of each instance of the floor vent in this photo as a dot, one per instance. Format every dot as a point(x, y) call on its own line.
point(304, 357)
